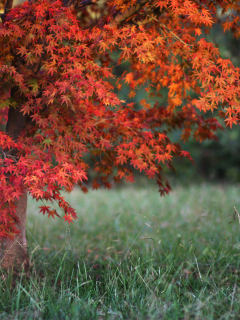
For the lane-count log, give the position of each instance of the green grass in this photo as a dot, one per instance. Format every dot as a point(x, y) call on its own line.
point(133, 255)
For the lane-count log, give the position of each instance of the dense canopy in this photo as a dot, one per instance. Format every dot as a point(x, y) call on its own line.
point(59, 95)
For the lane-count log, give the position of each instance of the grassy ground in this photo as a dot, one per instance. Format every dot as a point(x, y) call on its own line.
point(133, 255)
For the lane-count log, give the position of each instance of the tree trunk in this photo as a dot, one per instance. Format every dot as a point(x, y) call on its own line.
point(13, 253)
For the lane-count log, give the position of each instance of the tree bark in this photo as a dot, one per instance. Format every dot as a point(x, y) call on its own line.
point(13, 253)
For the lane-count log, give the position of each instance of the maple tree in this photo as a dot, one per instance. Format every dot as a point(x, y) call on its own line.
point(59, 97)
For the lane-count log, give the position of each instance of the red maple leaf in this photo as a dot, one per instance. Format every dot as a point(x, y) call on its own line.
point(68, 218)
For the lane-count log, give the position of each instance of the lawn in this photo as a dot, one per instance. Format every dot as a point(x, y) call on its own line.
point(133, 255)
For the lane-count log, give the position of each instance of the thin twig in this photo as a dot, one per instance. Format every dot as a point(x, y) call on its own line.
point(237, 214)
point(6, 155)
point(121, 17)
point(170, 31)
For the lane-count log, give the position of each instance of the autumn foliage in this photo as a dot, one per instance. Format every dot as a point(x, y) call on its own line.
point(57, 66)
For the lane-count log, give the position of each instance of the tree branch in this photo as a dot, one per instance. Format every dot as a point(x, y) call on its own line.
point(121, 17)
point(79, 4)
point(85, 3)
point(8, 6)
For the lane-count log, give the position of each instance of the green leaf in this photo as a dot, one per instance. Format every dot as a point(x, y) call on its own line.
point(34, 84)
point(47, 141)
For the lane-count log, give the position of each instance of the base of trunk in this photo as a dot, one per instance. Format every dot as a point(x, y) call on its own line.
point(13, 255)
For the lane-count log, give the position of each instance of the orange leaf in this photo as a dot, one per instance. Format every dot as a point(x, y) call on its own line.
point(68, 218)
